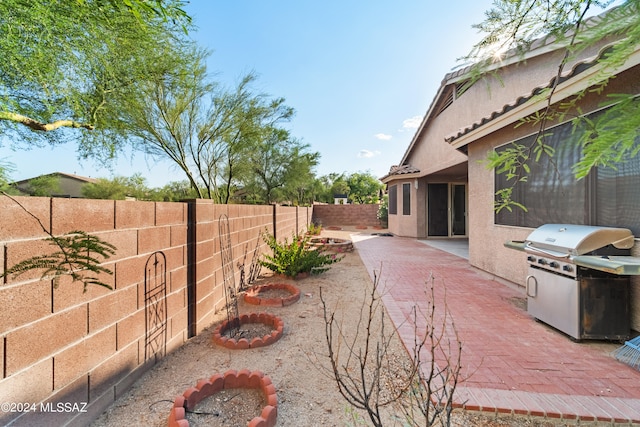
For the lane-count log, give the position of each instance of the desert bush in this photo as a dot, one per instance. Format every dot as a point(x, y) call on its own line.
point(291, 258)
point(314, 230)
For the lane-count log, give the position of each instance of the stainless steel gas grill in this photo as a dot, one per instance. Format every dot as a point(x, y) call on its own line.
point(579, 278)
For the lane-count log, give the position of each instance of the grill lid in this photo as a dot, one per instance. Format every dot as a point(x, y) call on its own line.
point(563, 240)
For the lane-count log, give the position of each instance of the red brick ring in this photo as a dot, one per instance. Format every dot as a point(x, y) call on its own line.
point(252, 296)
point(266, 319)
point(229, 380)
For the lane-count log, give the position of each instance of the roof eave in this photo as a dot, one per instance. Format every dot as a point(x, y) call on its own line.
point(564, 90)
point(397, 177)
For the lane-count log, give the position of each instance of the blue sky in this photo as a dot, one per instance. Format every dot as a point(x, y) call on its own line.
point(360, 75)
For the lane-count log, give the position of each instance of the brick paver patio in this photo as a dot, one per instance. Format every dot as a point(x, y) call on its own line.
point(511, 363)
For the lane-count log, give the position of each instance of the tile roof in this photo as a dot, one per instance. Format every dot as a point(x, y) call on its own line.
point(578, 68)
point(402, 170)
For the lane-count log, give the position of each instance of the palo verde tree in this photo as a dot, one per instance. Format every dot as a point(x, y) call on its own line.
point(68, 65)
point(67, 68)
point(282, 167)
point(512, 26)
point(212, 133)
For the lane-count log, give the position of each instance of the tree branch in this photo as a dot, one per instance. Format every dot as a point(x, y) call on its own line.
point(45, 127)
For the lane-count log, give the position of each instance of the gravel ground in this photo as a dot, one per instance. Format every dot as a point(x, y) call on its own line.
point(297, 363)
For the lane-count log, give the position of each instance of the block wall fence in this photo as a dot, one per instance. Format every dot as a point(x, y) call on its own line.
point(58, 344)
point(358, 215)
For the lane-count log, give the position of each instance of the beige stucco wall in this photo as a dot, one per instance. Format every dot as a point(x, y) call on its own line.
point(405, 225)
point(486, 250)
point(433, 156)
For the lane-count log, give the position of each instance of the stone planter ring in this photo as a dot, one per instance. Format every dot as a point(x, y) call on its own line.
point(277, 326)
point(231, 379)
point(253, 295)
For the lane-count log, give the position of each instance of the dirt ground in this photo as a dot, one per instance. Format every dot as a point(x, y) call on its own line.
point(297, 363)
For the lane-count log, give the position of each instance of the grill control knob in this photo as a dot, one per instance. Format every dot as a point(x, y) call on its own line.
point(554, 264)
point(542, 261)
point(531, 258)
point(567, 267)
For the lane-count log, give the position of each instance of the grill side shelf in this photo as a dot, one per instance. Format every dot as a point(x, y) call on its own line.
point(621, 265)
point(514, 244)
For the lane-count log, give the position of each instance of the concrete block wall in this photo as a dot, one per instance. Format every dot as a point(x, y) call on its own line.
point(354, 215)
point(246, 223)
point(60, 344)
point(289, 221)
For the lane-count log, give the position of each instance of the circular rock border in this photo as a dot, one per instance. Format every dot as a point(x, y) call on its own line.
point(229, 380)
point(332, 244)
point(252, 296)
point(242, 344)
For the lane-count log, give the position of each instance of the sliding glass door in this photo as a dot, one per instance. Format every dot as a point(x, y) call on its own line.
point(447, 210)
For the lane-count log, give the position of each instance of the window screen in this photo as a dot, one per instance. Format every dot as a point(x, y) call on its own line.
point(406, 199)
point(617, 196)
point(393, 200)
point(551, 194)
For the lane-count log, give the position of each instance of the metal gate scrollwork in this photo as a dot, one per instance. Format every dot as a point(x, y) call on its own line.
point(155, 306)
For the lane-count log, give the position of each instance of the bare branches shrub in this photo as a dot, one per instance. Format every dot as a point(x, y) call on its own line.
point(418, 387)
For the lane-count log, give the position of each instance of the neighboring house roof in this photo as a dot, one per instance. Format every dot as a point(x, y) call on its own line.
point(70, 184)
point(78, 177)
point(61, 174)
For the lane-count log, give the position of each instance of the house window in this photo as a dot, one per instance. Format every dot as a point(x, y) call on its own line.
point(393, 200)
point(406, 199)
point(551, 194)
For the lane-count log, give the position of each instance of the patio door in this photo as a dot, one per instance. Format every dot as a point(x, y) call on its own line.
point(447, 210)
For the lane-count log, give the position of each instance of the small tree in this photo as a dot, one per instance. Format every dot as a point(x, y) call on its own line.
point(44, 186)
point(78, 256)
point(364, 188)
point(383, 211)
point(117, 188)
point(369, 380)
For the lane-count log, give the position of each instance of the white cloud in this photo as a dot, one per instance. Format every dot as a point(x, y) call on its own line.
point(412, 122)
point(383, 136)
point(368, 154)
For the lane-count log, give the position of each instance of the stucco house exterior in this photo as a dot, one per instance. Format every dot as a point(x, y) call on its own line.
point(442, 187)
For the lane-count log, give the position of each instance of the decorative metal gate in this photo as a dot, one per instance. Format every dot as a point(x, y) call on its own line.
point(155, 306)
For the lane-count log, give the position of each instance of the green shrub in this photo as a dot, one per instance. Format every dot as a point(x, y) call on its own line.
point(314, 230)
point(383, 211)
point(295, 257)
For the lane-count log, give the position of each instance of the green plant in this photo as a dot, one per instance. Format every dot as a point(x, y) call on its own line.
point(292, 258)
point(383, 210)
point(75, 258)
point(314, 229)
